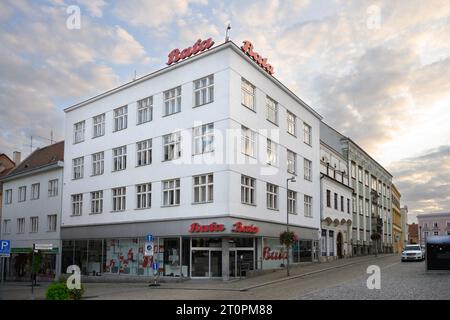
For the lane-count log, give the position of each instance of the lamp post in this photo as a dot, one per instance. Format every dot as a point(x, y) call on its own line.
point(292, 179)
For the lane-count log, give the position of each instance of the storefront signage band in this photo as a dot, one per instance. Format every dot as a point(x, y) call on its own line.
point(238, 227)
point(176, 55)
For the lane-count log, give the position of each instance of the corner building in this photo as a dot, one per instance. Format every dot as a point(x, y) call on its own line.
point(198, 155)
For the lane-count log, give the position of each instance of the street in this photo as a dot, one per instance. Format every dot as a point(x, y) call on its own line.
point(344, 279)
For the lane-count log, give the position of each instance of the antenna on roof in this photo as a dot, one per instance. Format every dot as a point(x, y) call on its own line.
point(227, 38)
point(135, 75)
point(51, 136)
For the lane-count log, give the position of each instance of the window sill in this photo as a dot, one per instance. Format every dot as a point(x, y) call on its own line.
point(73, 179)
point(202, 153)
point(78, 142)
point(168, 160)
point(75, 215)
point(141, 209)
point(170, 206)
point(204, 202)
point(203, 104)
point(144, 122)
point(253, 110)
point(249, 204)
point(119, 130)
point(293, 213)
point(254, 157)
point(171, 114)
point(50, 231)
point(308, 144)
point(102, 135)
point(274, 123)
point(310, 217)
point(95, 213)
point(112, 211)
point(96, 175)
point(291, 134)
point(272, 209)
point(293, 173)
point(142, 165)
point(118, 170)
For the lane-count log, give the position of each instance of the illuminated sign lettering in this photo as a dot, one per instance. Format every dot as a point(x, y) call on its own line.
point(247, 47)
point(175, 55)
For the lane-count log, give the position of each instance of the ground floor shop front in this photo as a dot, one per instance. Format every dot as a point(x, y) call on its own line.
point(203, 248)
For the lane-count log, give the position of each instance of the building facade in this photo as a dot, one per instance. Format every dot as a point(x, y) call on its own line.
point(405, 228)
point(397, 230)
point(32, 212)
point(6, 165)
point(413, 233)
point(371, 199)
point(433, 224)
point(336, 205)
point(198, 155)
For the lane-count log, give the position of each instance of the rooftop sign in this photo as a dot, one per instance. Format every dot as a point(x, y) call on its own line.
point(175, 55)
point(247, 47)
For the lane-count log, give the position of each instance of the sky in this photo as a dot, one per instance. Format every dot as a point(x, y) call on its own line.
point(377, 71)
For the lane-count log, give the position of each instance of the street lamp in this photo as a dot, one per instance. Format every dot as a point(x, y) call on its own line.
point(292, 179)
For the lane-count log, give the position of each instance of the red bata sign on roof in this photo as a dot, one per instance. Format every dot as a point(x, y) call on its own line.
point(238, 227)
point(175, 55)
point(247, 47)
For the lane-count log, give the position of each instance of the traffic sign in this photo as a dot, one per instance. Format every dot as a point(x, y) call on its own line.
point(5, 247)
point(43, 246)
point(148, 249)
point(155, 266)
point(149, 238)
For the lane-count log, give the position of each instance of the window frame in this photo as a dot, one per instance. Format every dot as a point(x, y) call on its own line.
point(172, 139)
point(142, 106)
point(78, 168)
point(34, 224)
point(144, 149)
point(8, 196)
point(96, 124)
point(292, 201)
point(204, 133)
point(119, 199)
point(292, 161)
point(271, 110)
point(23, 225)
point(53, 192)
point(173, 192)
point(96, 202)
point(272, 196)
point(307, 133)
point(119, 157)
point(291, 123)
point(120, 118)
point(207, 88)
point(169, 96)
point(251, 93)
point(207, 185)
point(76, 203)
point(308, 206)
point(307, 168)
point(272, 152)
point(143, 195)
point(33, 191)
point(248, 191)
point(79, 133)
point(22, 194)
point(52, 226)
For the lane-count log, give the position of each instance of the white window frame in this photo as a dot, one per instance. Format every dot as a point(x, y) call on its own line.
point(98, 125)
point(77, 168)
point(204, 91)
point(6, 226)
point(291, 120)
point(248, 190)
point(308, 206)
point(248, 94)
point(172, 101)
point(35, 191)
point(120, 118)
point(52, 220)
point(271, 110)
point(144, 152)
point(307, 167)
point(171, 192)
point(292, 202)
point(77, 204)
point(98, 163)
point(203, 138)
point(119, 158)
point(172, 146)
point(144, 196)
point(272, 153)
point(21, 225)
point(291, 161)
point(248, 141)
point(53, 188)
point(79, 131)
point(144, 110)
point(203, 188)
point(307, 134)
point(272, 196)
point(22, 193)
point(34, 224)
point(8, 196)
point(97, 202)
point(119, 199)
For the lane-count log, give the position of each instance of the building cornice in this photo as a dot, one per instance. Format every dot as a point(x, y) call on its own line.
point(36, 170)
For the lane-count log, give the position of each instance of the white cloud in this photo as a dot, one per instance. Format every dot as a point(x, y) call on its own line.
point(94, 7)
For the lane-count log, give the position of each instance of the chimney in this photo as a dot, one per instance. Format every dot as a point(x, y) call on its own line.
point(16, 157)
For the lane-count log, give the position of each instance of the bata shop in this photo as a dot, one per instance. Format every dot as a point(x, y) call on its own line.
point(204, 248)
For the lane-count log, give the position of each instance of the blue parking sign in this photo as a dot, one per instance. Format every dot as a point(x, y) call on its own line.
point(5, 247)
point(155, 266)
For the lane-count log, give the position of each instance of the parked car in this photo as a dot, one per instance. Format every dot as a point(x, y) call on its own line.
point(413, 252)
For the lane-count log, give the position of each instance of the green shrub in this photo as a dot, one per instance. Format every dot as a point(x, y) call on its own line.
point(57, 291)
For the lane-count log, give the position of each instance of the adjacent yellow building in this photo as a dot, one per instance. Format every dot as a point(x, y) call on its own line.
point(397, 230)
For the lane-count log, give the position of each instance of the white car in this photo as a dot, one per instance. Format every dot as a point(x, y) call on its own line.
point(413, 252)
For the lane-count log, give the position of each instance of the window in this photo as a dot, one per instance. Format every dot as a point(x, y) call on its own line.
point(272, 153)
point(248, 138)
point(308, 206)
point(292, 202)
point(328, 198)
point(366, 209)
point(119, 199)
point(360, 174)
point(354, 204)
point(307, 132)
point(171, 192)
point(144, 152)
point(272, 110)
point(342, 203)
point(291, 162)
point(172, 146)
point(8, 196)
point(366, 178)
point(7, 226)
point(51, 222)
point(21, 225)
point(248, 94)
point(374, 183)
point(99, 125)
point(22, 194)
point(435, 225)
point(77, 204)
point(172, 101)
point(144, 196)
point(98, 163)
point(272, 196)
point(203, 188)
point(34, 224)
point(348, 205)
point(204, 138)
point(436, 233)
point(248, 190)
point(120, 118)
point(335, 201)
point(145, 110)
point(308, 169)
point(204, 90)
point(78, 132)
point(77, 168)
point(353, 170)
point(53, 188)
point(120, 158)
point(361, 206)
point(291, 123)
point(97, 201)
point(35, 191)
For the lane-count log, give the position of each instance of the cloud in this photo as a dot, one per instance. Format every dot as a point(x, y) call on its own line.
point(94, 7)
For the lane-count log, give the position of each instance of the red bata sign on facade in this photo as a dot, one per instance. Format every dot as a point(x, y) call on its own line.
point(248, 49)
point(175, 55)
point(238, 227)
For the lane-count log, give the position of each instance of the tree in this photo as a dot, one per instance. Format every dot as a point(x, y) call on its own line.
point(287, 238)
point(375, 237)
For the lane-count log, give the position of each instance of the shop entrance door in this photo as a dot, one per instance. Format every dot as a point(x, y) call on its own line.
point(241, 261)
point(206, 263)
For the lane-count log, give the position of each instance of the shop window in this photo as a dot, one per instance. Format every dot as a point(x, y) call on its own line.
point(172, 257)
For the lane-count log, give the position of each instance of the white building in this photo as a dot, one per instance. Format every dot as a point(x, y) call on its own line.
point(336, 204)
point(32, 211)
point(197, 154)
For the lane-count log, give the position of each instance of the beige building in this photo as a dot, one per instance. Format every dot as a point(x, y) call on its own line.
point(397, 228)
